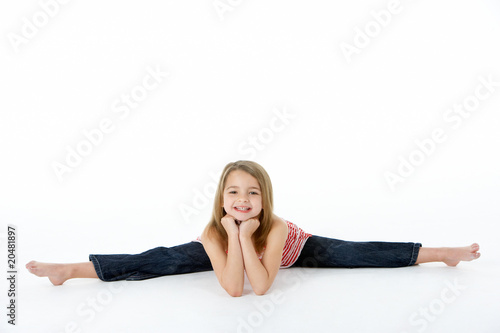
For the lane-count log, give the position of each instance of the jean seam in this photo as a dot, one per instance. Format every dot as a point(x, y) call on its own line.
point(414, 255)
point(97, 266)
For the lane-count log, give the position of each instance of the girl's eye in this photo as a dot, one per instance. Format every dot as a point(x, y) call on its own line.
point(254, 193)
point(232, 192)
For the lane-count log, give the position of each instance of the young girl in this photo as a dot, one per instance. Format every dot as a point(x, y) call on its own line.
point(244, 235)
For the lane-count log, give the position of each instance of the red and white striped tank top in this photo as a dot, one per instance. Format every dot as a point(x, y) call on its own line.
point(293, 245)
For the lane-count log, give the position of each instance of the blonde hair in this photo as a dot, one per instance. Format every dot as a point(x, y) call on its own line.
point(265, 217)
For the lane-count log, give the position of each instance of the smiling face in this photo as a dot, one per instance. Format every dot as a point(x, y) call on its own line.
point(242, 196)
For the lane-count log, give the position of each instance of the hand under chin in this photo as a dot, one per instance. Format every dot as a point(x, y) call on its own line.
point(238, 222)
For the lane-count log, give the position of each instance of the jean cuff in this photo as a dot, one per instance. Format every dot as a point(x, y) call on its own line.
point(414, 255)
point(97, 267)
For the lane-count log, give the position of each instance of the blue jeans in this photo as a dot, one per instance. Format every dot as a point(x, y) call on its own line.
point(191, 257)
point(329, 252)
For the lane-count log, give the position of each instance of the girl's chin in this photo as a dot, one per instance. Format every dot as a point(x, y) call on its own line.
point(240, 219)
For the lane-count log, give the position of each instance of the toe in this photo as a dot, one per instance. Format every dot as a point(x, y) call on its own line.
point(31, 265)
point(475, 255)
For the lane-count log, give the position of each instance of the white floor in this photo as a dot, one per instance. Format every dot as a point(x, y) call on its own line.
point(425, 298)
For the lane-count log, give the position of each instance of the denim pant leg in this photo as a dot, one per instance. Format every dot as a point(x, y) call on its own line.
point(186, 258)
point(329, 252)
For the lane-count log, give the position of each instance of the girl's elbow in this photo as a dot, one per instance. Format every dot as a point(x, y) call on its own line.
point(235, 292)
point(260, 291)
point(232, 287)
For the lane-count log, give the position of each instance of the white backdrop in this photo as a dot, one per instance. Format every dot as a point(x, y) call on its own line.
point(375, 120)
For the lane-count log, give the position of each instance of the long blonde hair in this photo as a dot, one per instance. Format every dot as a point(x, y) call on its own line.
point(259, 237)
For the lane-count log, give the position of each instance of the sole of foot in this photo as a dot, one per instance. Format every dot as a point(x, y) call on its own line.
point(454, 255)
point(55, 272)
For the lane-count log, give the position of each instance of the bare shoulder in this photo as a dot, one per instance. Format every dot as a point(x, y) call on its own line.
point(279, 223)
point(279, 229)
point(208, 239)
point(274, 245)
point(204, 235)
point(214, 248)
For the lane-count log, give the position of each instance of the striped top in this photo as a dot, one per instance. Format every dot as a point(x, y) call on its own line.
point(293, 245)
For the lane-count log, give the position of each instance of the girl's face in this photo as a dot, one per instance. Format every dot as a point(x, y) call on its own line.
point(242, 195)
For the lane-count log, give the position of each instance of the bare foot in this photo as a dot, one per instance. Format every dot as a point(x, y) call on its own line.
point(57, 273)
point(453, 255)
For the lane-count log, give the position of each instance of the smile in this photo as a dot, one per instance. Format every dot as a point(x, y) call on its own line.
point(243, 209)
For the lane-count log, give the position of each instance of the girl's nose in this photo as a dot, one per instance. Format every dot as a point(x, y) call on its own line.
point(242, 198)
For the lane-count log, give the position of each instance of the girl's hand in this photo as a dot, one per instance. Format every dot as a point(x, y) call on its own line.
point(229, 223)
point(248, 227)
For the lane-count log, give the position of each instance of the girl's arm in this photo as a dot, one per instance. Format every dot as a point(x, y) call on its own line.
point(261, 274)
point(227, 267)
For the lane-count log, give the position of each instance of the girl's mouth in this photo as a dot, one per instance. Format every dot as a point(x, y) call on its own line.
point(242, 209)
